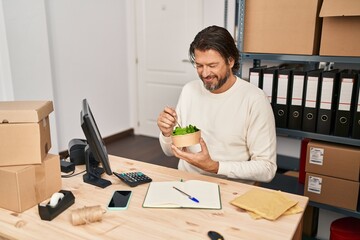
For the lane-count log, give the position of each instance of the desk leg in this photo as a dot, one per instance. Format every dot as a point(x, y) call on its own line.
point(298, 232)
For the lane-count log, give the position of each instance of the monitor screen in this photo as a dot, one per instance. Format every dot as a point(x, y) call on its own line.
point(95, 151)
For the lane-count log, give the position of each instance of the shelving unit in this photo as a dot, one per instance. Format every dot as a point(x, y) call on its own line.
point(287, 183)
point(327, 138)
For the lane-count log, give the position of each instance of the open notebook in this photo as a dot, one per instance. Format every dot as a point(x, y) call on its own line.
point(165, 195)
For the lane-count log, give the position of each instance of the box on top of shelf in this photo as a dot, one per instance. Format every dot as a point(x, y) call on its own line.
point(341, 28)
point(334, 160)
point(282, 26)
point(27, 185)
point(25, 132)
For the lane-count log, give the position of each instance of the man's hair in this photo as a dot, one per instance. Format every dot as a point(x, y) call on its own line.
point(218, 39)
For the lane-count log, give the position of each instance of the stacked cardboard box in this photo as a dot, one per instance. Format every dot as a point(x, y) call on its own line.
point(282, 26)
point(341, 28)
point(332, 174)
point(28, 173)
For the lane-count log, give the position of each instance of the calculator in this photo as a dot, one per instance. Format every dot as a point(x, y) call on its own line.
point(133, 178)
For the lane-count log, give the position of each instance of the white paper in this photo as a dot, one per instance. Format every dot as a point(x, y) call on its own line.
point(314, 184)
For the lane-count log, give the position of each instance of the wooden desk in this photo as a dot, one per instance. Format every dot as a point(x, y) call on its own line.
point(144, 223)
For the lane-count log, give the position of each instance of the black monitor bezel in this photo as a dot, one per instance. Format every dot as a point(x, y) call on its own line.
point(96, 145)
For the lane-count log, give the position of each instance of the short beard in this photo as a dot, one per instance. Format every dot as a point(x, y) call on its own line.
point(220, 83)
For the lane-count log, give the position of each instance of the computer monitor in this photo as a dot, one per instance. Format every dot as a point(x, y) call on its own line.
point(95, 151)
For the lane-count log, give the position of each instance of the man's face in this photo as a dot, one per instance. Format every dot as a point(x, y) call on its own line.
point(213, 70)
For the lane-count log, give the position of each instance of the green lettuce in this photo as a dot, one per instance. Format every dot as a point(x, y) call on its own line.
point(185, 130)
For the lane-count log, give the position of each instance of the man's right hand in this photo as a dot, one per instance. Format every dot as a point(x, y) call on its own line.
point(167, 121)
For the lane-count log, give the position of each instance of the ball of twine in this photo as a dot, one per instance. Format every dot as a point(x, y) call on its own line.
point(87, 215)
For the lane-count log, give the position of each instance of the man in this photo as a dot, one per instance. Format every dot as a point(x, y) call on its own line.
point(236, 119)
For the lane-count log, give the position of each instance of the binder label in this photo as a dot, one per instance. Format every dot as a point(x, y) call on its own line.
point(311, 92)
point(345, 94)
point(268, 85)
point(297, 93)
point(326, 93)
point(282, 89)
point(358, 104)
point(316, 156)
point(314, 184)
point(254, 78)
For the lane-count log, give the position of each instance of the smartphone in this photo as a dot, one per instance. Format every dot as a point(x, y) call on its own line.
point(119, 200)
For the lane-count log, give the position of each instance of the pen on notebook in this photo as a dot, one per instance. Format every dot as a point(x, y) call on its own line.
point(191, 198)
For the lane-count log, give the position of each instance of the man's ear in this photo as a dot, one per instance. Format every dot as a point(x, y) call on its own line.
point(231, 62)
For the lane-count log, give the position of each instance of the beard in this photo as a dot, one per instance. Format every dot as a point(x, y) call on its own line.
point(214, 86)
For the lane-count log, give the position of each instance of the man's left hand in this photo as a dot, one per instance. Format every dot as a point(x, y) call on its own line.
point(200, 159)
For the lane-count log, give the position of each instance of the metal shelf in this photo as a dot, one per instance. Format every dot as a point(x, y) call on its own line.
point(328, 138)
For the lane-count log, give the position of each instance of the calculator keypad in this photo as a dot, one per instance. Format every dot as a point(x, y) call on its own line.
point(133, 178)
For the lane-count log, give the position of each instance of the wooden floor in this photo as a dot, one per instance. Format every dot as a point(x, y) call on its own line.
point(142, 148)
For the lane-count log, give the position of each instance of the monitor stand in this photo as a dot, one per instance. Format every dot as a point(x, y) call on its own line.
point(93, 172)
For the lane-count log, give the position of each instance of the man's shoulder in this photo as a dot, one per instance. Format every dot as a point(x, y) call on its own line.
point(249, 87)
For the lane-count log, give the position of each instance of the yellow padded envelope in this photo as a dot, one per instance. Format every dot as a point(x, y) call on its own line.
point(267, 204)
point(293, 210)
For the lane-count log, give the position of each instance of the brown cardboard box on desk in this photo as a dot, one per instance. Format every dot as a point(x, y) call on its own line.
point(24, 132)
point(22, 187)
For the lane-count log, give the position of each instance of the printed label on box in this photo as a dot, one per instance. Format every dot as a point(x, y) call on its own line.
point(316, 156)
point(314, 184)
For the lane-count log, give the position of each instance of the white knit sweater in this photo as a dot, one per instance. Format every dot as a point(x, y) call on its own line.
point(238, 127)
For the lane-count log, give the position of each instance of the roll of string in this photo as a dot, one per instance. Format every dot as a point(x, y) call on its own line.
point(87, 215)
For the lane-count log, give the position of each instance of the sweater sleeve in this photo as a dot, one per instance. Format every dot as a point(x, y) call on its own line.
point(165, 143)
point(261, 146)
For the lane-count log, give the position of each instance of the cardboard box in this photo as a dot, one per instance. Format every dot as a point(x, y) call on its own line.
point(25, 132)
point(341, 28)
point(48, 177)
point(282, 26)
point(332, 191)
point(22, 187)
point(334, 160)
point(17, 188)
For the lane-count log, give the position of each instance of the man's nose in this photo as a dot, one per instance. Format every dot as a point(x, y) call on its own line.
point(205, 71)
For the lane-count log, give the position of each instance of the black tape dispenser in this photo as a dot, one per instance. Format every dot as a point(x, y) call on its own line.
point(58, 203)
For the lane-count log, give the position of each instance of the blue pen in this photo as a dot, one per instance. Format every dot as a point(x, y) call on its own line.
point(192, 198)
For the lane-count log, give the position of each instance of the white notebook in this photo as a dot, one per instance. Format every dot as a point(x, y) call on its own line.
point(188, 194)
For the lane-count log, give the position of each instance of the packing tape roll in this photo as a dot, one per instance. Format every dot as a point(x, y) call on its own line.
point(55, 199)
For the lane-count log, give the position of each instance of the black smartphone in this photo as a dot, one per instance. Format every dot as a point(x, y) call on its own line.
point(119, 200)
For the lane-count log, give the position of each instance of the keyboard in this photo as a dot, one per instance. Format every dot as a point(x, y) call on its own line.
point(133, 178)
